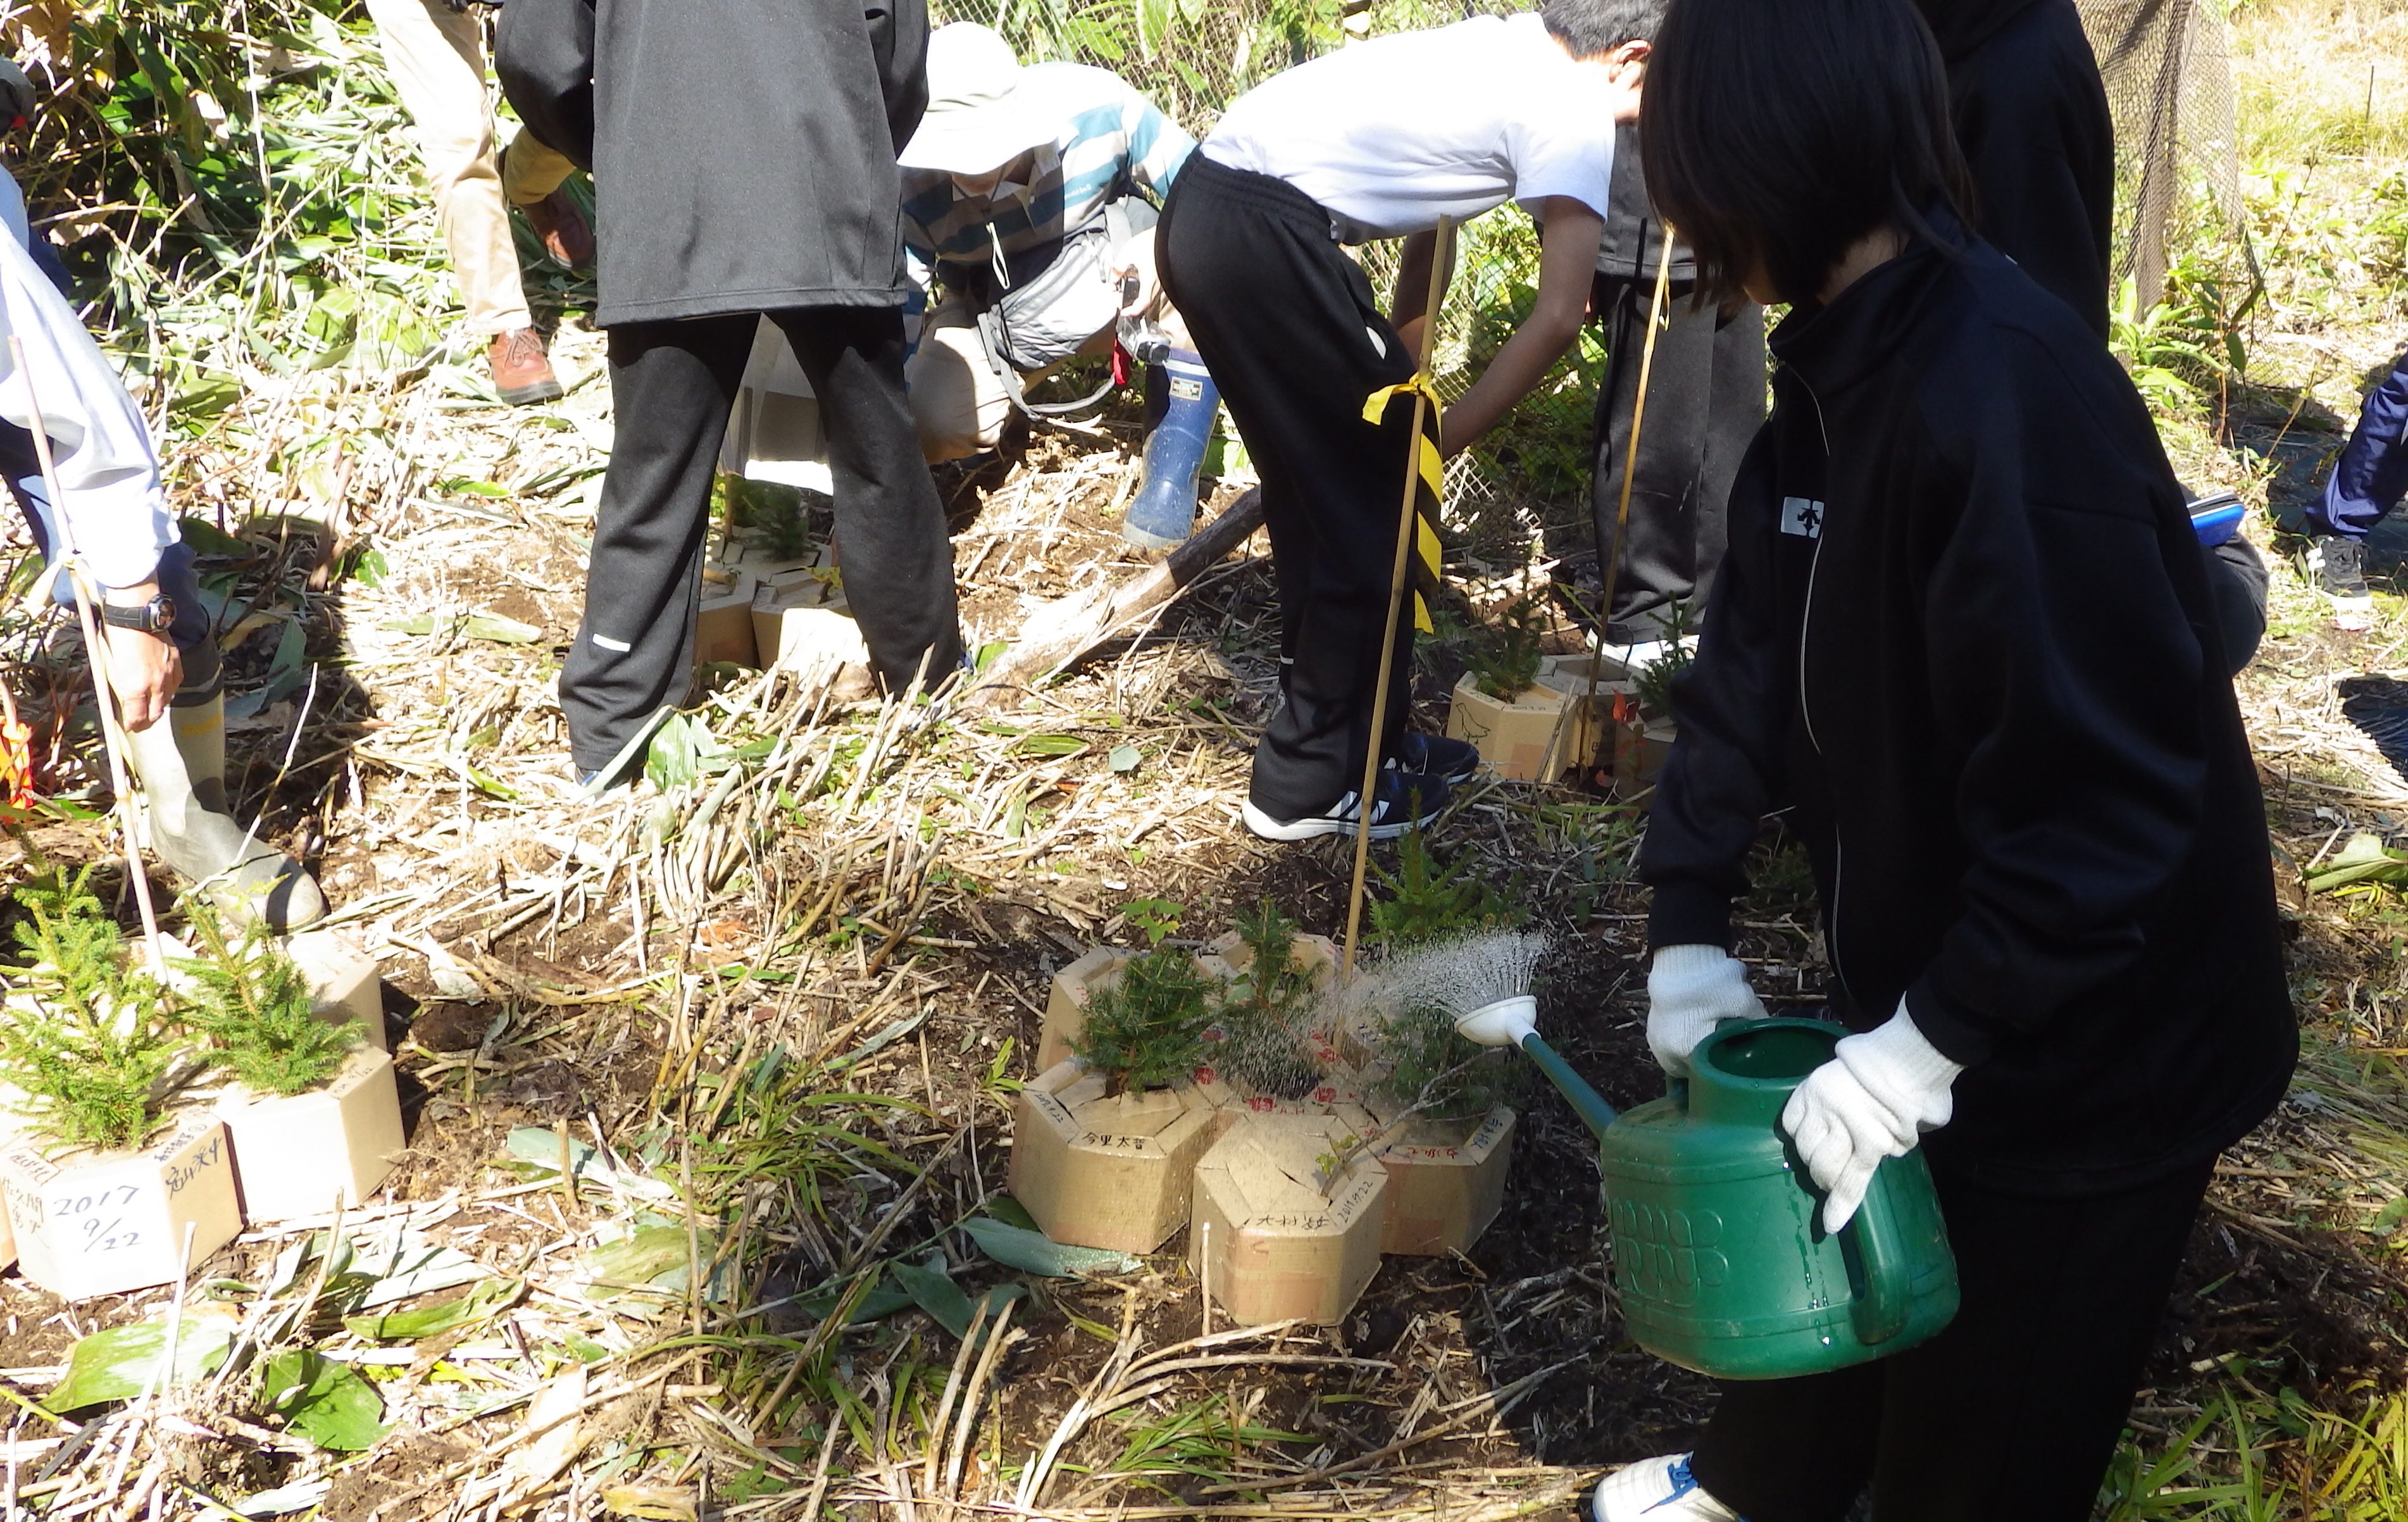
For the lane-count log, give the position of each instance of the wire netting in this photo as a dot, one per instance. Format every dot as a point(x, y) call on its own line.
point(2169, 79)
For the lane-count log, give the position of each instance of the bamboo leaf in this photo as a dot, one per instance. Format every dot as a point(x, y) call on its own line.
point(118, 1364)
point(485, 1300)
point(1033, 1252)
point(322, 1400)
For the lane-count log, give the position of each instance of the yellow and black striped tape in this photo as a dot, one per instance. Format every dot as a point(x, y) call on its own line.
point(1427, 552)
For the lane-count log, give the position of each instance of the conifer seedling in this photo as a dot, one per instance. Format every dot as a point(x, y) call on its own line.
point(1428, 900)
point(1653, 683)
point(1266, 1013)
point(89, 1048)
point(1505, 665)
point(1430, 1071)
point(1146, 1027)
point(253, 1005)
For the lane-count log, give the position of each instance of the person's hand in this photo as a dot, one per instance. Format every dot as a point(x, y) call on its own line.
point(1690, 990)
point(1874, 1099)
point(1135, 258)
point(144, 668)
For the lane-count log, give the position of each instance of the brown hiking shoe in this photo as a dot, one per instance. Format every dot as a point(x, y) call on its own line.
point(563, 229)
point(521, 372)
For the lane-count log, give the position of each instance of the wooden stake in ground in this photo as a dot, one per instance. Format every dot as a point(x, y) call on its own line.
point(1612, 567)
point(112, 737)
point(1408, 530)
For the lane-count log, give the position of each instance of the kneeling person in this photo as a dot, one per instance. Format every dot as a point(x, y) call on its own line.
point(1025, 194)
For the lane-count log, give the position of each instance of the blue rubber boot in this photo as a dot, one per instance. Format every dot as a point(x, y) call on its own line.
point(1164, 514)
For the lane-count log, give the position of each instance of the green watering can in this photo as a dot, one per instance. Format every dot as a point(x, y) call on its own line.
point(1720, 1261)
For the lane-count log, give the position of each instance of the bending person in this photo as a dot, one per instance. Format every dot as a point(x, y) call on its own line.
point(1380, 141)
point(1025, 195)
point(435, 53)
point(162, 654)
point(1964, 632)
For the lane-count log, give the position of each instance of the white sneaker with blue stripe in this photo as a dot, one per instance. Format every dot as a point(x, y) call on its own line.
point(1657, 1489)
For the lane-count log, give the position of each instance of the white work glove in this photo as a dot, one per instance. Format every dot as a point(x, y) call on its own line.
point(1874, 1099)
point(1690, 990)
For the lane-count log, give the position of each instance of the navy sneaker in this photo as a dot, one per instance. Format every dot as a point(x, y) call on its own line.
point(1403, 800)
point(1435, 755)
point(1657, 1489)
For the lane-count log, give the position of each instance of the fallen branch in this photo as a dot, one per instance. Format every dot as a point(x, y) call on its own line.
point(1067, 628)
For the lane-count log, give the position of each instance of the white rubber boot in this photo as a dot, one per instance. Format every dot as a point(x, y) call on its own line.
point(204, 846)
point(1657, 1489)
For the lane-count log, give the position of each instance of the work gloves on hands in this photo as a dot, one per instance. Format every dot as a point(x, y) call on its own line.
point(1877, 1095)
point(1690, 990)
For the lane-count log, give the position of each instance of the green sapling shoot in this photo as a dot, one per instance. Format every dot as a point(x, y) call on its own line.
point(1146, 1027)
point(86, 1039)
point(253, 1005)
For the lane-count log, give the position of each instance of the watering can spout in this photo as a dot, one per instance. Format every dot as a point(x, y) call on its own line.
point(1514, 1021)
point(1585, 1101)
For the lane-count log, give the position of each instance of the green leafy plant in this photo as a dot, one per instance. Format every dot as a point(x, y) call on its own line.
point(1427, 901)
point(253, 1004)
point(1654, 683)
point(1267, 1010)
point(1156, 919)
point(1146, 1027)
point(90, 1043)
point(1505, 663)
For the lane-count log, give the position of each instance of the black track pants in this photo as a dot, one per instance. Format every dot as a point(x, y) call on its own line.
point(1705, 401)
point(1286, 324)
point(671, 386)
point(2008, 1415)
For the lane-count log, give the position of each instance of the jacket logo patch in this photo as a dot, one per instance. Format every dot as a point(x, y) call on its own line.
point(1801, 516)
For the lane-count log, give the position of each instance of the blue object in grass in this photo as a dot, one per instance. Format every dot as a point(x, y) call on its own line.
point(2215, 519)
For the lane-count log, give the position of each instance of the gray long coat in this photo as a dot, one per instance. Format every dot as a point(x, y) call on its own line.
point(742, 150)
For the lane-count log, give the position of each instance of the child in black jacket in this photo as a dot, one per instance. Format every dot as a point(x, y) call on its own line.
point(1964, 634)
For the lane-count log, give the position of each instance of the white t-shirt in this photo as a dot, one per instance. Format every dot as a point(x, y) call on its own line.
point(1392, 133)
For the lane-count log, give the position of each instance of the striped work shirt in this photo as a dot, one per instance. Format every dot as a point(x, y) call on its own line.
point(1112, 142)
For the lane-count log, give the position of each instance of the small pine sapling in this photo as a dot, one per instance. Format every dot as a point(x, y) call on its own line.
point(1505, 665)
point(89, 1046)
point(1653, 683)
point(1146, 1027)
point(1266, 1011)
point(1430, 1071)
point(253, 1004)
point(1426, 900)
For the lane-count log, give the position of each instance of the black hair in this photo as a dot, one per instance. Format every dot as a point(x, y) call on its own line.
point(1589, 28)
point(1777, 132)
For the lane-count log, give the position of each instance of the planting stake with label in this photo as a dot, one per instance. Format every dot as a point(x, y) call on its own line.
point(1408, 528)
point(96, 657)
point(1613, 567)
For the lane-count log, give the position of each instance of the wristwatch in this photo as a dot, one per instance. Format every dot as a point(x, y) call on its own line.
point(157, 616)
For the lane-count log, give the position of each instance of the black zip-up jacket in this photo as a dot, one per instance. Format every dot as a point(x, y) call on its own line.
point(1964, 631)
point(2030, 113)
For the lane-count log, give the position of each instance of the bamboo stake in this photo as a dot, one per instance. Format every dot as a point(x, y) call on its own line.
point(1408, 526)
point(112, 737)
point(1655, 305)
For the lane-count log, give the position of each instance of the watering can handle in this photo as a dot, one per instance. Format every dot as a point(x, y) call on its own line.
point(1880, 1312)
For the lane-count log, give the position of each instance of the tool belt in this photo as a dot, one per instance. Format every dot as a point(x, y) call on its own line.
point(1039, 307)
